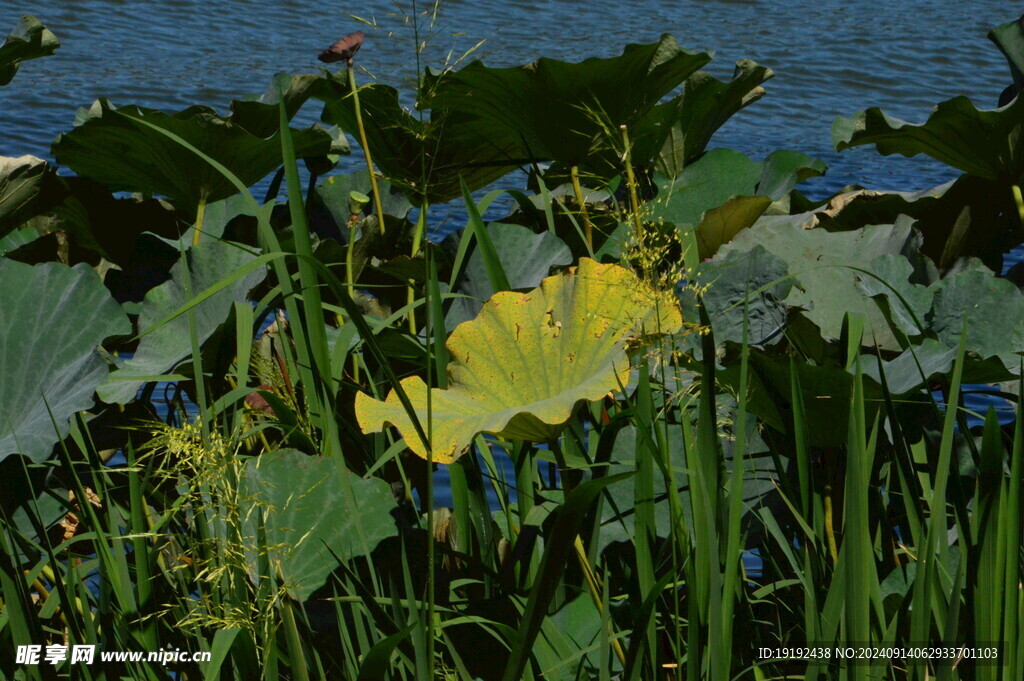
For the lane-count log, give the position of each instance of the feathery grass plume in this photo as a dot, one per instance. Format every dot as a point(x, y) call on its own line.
point(218, 557)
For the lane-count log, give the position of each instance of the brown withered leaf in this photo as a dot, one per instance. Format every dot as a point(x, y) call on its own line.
point(257, 402)
point(71, 521)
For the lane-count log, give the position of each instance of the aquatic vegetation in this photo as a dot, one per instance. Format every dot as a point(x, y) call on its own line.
point(29, 40)
point(520, 367)
point(685, 415)
point(58, 369)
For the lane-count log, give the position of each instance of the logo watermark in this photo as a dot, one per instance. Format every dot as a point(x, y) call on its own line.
point(86, 654)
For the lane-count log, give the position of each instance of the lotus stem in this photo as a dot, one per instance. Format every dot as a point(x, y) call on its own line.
point(200, 214)
point(377, 205)
point(350, 281)
point(350, 277)
point(1019, 200)
point(575, 173)
point(631, 182)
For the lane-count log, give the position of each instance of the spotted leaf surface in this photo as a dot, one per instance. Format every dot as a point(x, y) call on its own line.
point(519, 369)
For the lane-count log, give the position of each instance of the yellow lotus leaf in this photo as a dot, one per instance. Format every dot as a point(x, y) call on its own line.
point(519, 369)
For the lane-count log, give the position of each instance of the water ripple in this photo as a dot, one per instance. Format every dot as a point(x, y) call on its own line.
point(830, 59)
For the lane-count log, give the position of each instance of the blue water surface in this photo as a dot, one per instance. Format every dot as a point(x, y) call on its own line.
point(830, 58)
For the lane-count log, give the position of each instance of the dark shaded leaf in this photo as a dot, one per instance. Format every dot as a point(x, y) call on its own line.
point(166, 346)
point(567, 112)
point(986, 144)
point(28, 187)
point(112, 146)
point(313, 509)
point(1009, 38)
point(423, 158)
point(55, 318)
point(30, 40)
point(705, 105)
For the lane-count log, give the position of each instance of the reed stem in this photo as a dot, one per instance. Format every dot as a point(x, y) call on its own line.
point(417, 241)
point(578, 190)
point(631, 182)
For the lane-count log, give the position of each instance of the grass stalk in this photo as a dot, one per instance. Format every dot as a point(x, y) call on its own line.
point(634, 201)
point(582, 203)
point(377, 203)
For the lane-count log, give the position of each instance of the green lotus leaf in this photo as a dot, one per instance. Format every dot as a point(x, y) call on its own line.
point(937, 309)
point(216, 220)
point(519, 369)
point(756, 276)
point(979, 298)
point(967, 217)
point(822, 265)
point(826, 391)
point(1009, 38)
point(445, 147)
point(115, 146)
point(165, 347)
point(56, 318)
point(568, 112)
point(618, 519)
point(905, 302)
point(18, 238)
point(688, 122)
point(986, 144)
point(30, 40)
point(260, 115)
point(725, 192)
point(315, 512)
point(335, 194)
point(526, 257)
point(28, 187)
point(972, 295)
point(913, 368)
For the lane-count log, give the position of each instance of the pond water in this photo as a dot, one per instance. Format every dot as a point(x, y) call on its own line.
point(830, 58)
